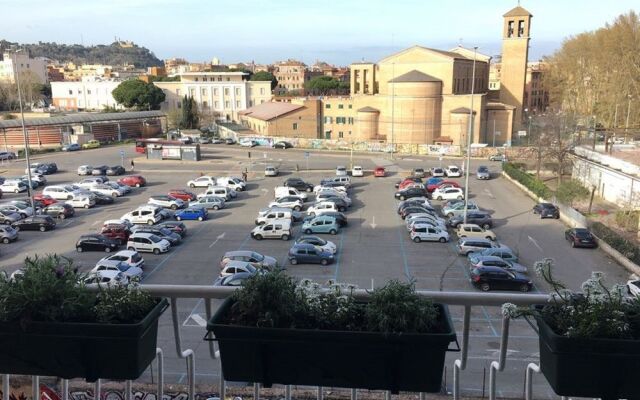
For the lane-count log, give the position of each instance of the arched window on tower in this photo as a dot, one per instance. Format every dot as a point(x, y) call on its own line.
point(521, 28)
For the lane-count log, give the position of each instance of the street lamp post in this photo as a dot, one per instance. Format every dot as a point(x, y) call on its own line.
point(24, 134)
point(626, 125)
point(470, 133)
point(529, 131)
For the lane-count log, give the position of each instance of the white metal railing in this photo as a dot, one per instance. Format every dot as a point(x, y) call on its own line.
point(468, 300)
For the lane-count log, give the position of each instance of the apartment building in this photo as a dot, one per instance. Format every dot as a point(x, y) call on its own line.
point(291, 76)
point(220, 93)
point(34, 69)
point(90, 93)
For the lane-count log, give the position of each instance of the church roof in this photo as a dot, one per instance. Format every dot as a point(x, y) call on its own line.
point(414, 76)
point(518, 12)
point(441, 53)
point(460, 110)
point(368, 109)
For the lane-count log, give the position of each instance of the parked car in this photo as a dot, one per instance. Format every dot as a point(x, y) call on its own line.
point(317, 241)
point(13, 186)
point(413, 209)
point(133, 180)
point(298, 183)
point(418, 172)
point(183, 195)
point(580, 237)
point(7, 155)
point(278, 229)
point(8, 234)
point(58, 210)
point(483, 173)
point(341, 170)
point(166, 201)
point(234, 280)
point(452, 171)
point(102, 199)
point(192, 213)
point(304, 253)
point(163, 233)
point(474, 217)
point(432, 184)
point(498, 157)
point(202, 181)
point(341, 202)
point(502, 252)
point(24, 209)
point(357, 171)
point(91, 144)
point(271, 170)
point(340, 180)
point(39, 179)
point(99, 171)
point(379, 172)
point(474, 231)
point(123, 189)
point(144, 215)
point(424, 232)
point(546, 210)
point(448, 193)
point(85, 170)
point(447, 184)
point(256, 259)
point(8, 217)
point(106, 190)
point(220, 191)
point(321, 224)
point(36, 223)
point(71, 147)
point(341, 219)
point(234, 267)
point(147, 242)
point(408, 178)
point(118, 232)
point(633, 286)
point(232, 182)
point(81, 201)
point(457, 208)
point(249, 143)
point(96, 242)
point(469, 245)
point(409, 193)
point(407, 183)
point(282, 145)
point(106, 279)
point(45, 199)
point(494, 261)
point(322, 207)
point(209, 202)
point(282, 191)
point(175, 226)
point(115, 170)
point(289, 202)
point(496, 278)
point(131, 272)
point(229, 141)
point(437, 172)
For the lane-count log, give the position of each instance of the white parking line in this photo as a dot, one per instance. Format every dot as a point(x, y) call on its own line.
point(532, 240)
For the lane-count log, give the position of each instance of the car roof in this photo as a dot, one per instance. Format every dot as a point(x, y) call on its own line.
point(469, 225)
point(490, 268)
point(490, 258)
point(238, 263)
point(475, 240)
point(141, 234)
point(127, 253)
point(303, 246)
point(239, 253)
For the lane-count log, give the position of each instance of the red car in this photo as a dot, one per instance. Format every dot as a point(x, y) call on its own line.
point(407, 183)
point(117, 232)
point(45, 199)
point(379, 172)
point(432, 184)
point(447, 184)
point(183, 195)
point(132, 180)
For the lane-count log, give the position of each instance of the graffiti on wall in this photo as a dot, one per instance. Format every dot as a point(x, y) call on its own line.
point(47, 393)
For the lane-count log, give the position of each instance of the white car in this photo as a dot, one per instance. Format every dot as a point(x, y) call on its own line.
point(13, 186)
point(128, 257)
point(166, 201)
point(357, 171)
point(318, 188)
point(235, 266)
point(123, 189)
point(37, 178)
point(475, 231)
point(426, 221)
point(202, 181)
point(341, 170)
point(453, 172)
point(633, 286)
point(437, 172)
point(81, 201)
point(295, 203)
point(270, 170)
point(143, 241)
point(107, 278)
point(232, 182)
point(105, 189)
point(144, 215)
point(322, 207)
point(427, 233)
point(450, 193)
point(133, 273)
point(322, 196)
point(85, 170)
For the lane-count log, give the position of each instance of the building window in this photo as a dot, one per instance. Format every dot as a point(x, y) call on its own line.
point(228, 79)
point(350, 120)
point(238, 103)
point(521, 28)
point(70, 91)
point(340, 106)
point(203, 91)
point(178, 104)
point(226, 91)
point(328, 120)
point(217, 105)
point(205, 105)
point(327, 105)
point(350, 106)
point(192, 92)
point(261, 90)
point(340, 135)
point(327, 135)
point(88, 91)
point(219, 79)
point(295, 126)
point(215, 92)
point(510, 29)
point(237, 91)
point(227, 104)
point(196, 79)
point(177, 92)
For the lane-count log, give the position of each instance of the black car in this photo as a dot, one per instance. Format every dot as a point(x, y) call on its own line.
point(580, 237)
point(100, 170)
point(414, 203)
point(410, 178)
point(115, 170)
point(48, 168)
point(102, 199)
point(490, 278)
point(410, 192)
point(414, 210)
point(175, 226)
point(546, 210)
point(96, 242)
point(473, 217)
point(58, 210)
point(36, 223)
point(163, 233)
point(299, 184)
point(282, 145)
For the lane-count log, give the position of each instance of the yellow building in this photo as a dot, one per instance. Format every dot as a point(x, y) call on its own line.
point(297, 118)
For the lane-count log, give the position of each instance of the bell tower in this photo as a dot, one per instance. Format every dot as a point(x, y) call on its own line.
point(515, 52)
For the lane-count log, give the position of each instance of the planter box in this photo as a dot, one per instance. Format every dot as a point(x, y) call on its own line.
point(365, 360)
point(595, 368)
point(80, 350)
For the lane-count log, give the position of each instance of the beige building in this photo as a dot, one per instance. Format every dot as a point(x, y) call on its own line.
point(221, 93)
point(291, 76)
point(24, 65)
point(536, 96)
point(295, 119)
point(90, 93)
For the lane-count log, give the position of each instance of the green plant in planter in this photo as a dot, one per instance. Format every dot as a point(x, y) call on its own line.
point(589, 340)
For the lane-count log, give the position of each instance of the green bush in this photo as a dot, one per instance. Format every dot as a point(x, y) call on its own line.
point(530, 182)
point(628, 220)
point(627, 248)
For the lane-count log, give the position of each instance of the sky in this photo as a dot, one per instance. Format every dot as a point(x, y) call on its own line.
point(336, 31)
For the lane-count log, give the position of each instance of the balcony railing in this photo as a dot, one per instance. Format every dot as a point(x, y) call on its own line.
point(467, 300)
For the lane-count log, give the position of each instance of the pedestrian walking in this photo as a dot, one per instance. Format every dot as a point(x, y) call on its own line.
point(132, 165)
point(244, 175)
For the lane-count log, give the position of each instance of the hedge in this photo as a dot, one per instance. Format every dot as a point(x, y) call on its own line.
point(627, 248)
point(535, 185)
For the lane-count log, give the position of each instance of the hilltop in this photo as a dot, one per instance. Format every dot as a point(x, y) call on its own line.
point(112, 54)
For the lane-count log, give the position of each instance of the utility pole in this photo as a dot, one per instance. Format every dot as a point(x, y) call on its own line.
point(470, 133)
point(24, 135)
point(626, 125)
point(393, 100)
point(494, 130)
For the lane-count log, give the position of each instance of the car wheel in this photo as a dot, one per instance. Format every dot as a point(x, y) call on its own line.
point(107, 249)
point(5, 240)
point(402, 198)
point(342, 209)
point(443, 240)
point(486, 226)
point(459, 197)
point(557, 216)
point(485, 287)
point(7, 222)
point(42, 229)
point(309, 189)
point(114, 195)
point(62, 216)
point(333, 232)
point(131, 248)
point(524, 288)
point(178, 218)
point(86, 206)
point(156, 251)
point(69, 197)
point(324, 261)
point(174, 207)
point(297, 208)
point(216, 208)
point(307, 231)
point(417, 239)
point(238, 189)
point(200, 219)
point(439, 198)
point(573, 244)
point(79, 249)
point(294, 261)
point(312, 214)
point(192, 185)
point(450, 215)
point(137, 185)
point(16, 191)
point(284, 237)
point(258, 237)
point(489, 238)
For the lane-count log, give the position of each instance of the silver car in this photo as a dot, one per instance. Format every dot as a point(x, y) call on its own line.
point(8, 234)
point(470, 245)
point(483, 173)
point(214, 202)
point(256, 259)
point(270, 170)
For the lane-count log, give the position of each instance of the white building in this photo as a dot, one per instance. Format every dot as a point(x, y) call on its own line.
point(222, 93)
point(92, 93)
point(24, 65)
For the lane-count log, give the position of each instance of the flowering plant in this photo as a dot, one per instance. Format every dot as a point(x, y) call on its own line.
point(597, 311)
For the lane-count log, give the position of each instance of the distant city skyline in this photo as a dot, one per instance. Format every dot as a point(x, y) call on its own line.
point(266, 32)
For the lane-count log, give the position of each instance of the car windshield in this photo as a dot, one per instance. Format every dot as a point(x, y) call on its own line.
point(583, 234)
point(123, 266)
point(136, 258)
point(483, 169)
point(257, 256)
point(165, 231)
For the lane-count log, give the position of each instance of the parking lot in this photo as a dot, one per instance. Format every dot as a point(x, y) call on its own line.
point(372, 249)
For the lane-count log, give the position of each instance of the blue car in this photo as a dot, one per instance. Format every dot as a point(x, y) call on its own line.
point(192, 213)
point(321, 224)
point(71, 147)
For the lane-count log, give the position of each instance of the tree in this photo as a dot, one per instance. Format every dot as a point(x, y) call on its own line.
point(554, 140)
point(571, 190)
point(322, 85)
point(265, 76)
point(190, 118)
point(140, 95)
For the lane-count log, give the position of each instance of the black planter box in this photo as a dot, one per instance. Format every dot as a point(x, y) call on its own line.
point(80, 350)
point(364, 360)
point(595, 368)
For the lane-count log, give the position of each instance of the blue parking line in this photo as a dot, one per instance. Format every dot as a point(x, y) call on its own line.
point(339, 256)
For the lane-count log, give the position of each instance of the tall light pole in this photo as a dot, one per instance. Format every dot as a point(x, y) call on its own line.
point(469, 134)
point(393, 106)
point(626, 125)
point(24, 134)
